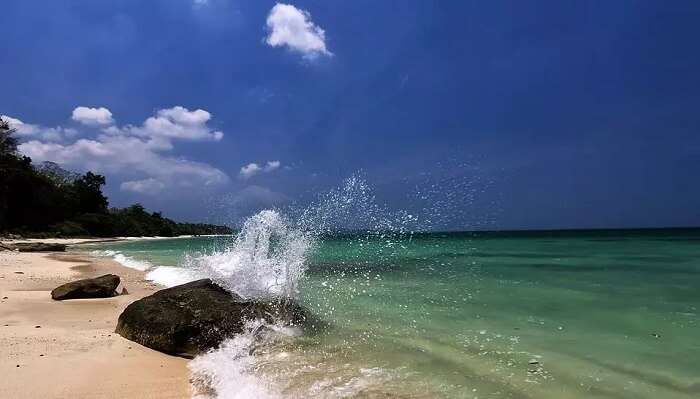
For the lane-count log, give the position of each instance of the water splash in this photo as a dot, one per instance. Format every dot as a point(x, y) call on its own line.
point(267, 258)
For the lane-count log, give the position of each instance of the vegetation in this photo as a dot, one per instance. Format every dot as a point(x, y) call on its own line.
point(48, 200)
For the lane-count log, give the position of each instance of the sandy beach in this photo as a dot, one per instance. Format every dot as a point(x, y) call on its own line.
point(68, 349)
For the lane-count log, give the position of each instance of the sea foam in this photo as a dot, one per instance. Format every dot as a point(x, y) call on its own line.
point(125, 260)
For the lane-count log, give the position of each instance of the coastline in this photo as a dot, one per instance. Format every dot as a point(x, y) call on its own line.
point(96, 240)
point(70, 347)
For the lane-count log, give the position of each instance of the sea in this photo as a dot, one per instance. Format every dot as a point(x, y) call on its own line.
point(407, 314)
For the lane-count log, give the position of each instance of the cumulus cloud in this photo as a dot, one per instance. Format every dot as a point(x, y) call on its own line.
point(177, 123)
point(272, 165)
point(250, 170)
point(139, 155)
point(253, 169)
point(92, 116)
point(148, 186)
point(28, 130)
point(291, 27)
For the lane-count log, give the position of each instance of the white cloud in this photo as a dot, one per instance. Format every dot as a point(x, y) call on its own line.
point(92, 116)
point(148, 186)
point(22, 129)
point(253, 169)
point(272, 165)
point(28, 130)
point(250, 170)
point(138, 155)
point(291, 27)
point(177, 123)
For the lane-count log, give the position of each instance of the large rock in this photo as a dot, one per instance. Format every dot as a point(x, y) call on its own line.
point(98, 287)
point(36, 247)
point(191, 318)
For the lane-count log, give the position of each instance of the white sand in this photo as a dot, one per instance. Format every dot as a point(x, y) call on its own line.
point(68, 349)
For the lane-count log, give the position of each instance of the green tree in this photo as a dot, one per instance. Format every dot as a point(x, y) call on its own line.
point(8, 142)
point(87, 190)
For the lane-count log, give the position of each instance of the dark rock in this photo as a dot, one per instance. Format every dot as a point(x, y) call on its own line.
point(36, 247)
point(191, 318)
point(98, 287)
point(6, 247)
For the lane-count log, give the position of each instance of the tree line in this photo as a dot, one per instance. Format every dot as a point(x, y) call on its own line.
point(46, 200)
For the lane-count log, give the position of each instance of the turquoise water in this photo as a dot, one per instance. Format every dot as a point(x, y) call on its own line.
point(604, 314)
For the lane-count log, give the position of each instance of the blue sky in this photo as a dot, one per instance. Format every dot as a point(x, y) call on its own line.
point(547, 114)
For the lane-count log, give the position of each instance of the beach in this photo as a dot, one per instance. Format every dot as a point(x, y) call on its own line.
point(551, 315)
point(68, 349)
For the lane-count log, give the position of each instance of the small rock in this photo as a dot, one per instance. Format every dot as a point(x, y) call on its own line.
point(533, 362)
point(38, 247)
point(37, 326)
point(655, 335)
point(19, 272)
point(98, 287)
point(4, 297)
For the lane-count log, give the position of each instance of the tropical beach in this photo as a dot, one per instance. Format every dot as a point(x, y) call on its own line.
point(523, 315)
point(262, 199)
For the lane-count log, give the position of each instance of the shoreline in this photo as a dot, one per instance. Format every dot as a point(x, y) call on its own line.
point(97, 240)
point(70, 347)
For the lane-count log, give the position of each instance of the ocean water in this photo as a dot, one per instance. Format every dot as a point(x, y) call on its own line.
point(589, 314)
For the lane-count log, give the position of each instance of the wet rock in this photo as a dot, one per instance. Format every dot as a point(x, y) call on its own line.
point(191, 318)
point(98, 287)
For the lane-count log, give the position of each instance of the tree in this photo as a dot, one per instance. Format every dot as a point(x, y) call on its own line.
point(8, 142)
point(59, 176)
point(88, 194)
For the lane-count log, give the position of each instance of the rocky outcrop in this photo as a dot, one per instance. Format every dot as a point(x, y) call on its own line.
point(34, 247)
point(98, 287)
point(191, 318)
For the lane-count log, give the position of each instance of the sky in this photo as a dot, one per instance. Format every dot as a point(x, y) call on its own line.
point(468, 114)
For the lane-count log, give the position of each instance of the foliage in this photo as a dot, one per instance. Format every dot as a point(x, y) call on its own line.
point(8, 142)
point(47, 198)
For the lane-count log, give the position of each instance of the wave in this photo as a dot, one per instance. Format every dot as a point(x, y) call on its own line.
point(230, 371)
point(170, 276)
point(125, 260)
